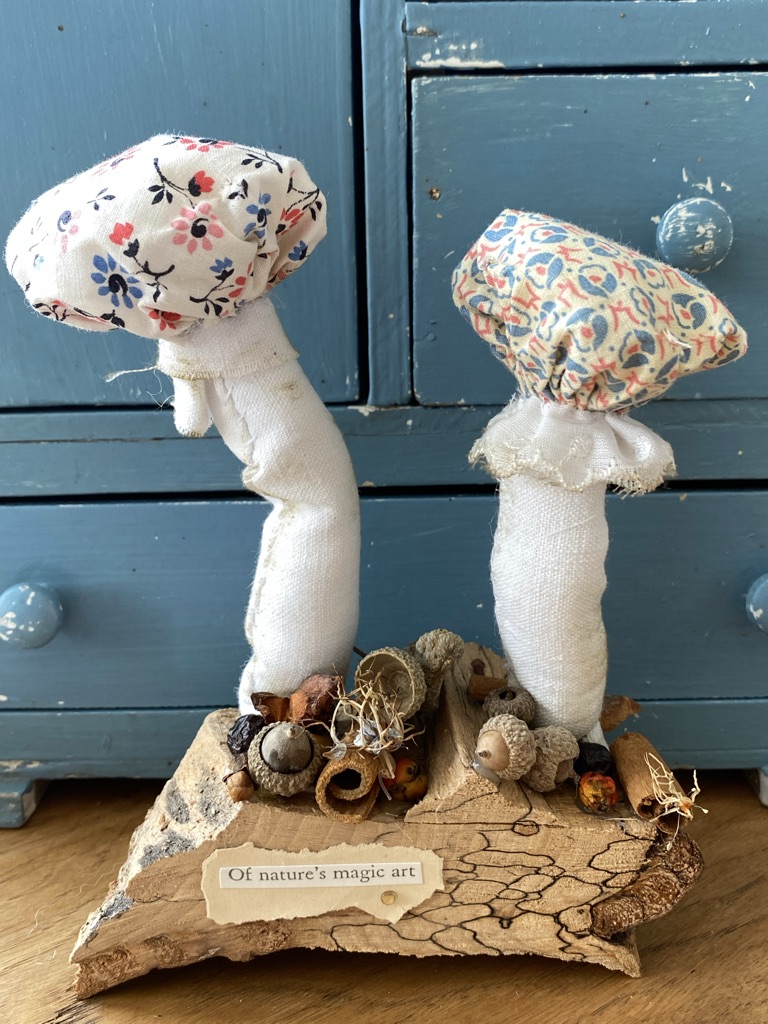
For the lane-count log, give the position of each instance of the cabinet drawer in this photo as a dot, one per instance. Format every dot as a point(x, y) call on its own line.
point(609, 152)
point(239, 83)
point(154, 593)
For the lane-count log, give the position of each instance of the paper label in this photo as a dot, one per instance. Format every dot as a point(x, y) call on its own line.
point(246, 883)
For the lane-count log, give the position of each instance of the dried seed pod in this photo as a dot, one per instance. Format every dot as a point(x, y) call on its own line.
point(505, 748)
point(242, 732)
point(315, 698)
point(284, 758)
point(616, 709)
point(556, 749)
point(271, 707)
point(395, 673)
point(240, 786)
point(511, 700)
point(593, 757)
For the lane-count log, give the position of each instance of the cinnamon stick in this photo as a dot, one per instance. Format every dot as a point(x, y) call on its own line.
point(348, 786)
point(651, 788)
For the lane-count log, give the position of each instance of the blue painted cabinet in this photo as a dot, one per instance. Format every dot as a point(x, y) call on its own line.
point(420, 121)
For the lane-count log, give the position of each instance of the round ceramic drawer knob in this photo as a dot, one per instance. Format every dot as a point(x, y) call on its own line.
point(695, 235)
point(757, 603)
point(30, 615)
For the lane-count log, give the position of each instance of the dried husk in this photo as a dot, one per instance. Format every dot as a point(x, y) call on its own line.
point(435, 651)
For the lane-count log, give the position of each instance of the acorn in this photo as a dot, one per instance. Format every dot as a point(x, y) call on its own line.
point(556, 748)
point(284, 759)
point(510, 700)
point(435, 651)
point(505, 749)
point(395, 673)
point(240, 786)
point(597, 792)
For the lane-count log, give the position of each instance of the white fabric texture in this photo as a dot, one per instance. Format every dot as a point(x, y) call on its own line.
point(573, 448)
point(547, 571)
point(303, 610)
point(547, 567)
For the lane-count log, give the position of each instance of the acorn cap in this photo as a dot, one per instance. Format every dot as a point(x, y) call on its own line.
point(505, 747)
point(283, 758)
point(435, 651)
point(510, 700)
point(555, 751)
point(396, 673)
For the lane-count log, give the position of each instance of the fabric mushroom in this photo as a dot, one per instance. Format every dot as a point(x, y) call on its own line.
point(590, 329)
point(180, 239)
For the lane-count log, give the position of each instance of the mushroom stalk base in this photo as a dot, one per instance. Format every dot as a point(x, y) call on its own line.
point(548, 577)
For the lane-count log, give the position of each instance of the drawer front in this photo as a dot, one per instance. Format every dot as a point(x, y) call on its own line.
point(154, 594)
point(609, 152)
point(286, 88)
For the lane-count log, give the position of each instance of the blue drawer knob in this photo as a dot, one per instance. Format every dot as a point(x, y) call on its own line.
point(30, 615)
point(695, 235)
point(757, 603)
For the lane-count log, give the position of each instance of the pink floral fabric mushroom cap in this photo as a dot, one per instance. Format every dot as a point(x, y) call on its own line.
point(174, 231)
point(585, 321)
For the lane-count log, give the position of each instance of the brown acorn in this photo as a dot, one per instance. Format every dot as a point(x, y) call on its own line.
point(240, 786)
point(505, 749)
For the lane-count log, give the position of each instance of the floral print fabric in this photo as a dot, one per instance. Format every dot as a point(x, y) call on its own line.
point(172, 232)
point(585, 321)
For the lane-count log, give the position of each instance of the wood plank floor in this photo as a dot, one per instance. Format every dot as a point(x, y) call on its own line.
point(704, 963)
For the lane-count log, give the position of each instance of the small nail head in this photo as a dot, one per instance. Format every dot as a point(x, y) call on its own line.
point(388, 897)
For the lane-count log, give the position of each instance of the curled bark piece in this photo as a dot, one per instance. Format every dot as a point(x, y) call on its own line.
point(671, 873)
point(396, 673)
point(556, 749)
point(640, 768)
point(617, 709)
point(348, 786)
point(510, 700)
point(435, 651)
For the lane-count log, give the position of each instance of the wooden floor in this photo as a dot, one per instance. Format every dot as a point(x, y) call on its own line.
point(705, 963)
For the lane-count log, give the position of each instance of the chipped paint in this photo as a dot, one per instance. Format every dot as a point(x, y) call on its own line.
point(3, 697)
point(706, 186)
point(756, 613)
point(726, 186)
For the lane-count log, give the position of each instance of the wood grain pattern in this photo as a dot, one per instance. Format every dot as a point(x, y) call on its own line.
point(521, 872)
point(704, 963)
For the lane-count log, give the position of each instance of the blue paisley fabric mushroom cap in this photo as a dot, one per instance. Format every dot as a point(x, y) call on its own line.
point(584, 321)
point(175, 231)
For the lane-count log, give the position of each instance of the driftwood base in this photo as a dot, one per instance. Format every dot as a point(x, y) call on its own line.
point(521, 873)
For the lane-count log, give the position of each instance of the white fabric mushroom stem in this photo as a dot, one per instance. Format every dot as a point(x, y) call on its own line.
point(590, 329)
point(550, 544)
point(179, 239)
